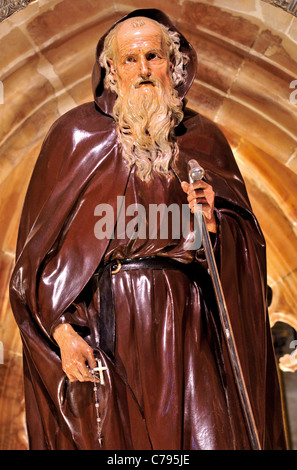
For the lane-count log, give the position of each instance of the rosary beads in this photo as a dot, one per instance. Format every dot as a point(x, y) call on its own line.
point(98, 379)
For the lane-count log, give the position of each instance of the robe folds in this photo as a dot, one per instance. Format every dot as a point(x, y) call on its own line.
point(168, 383)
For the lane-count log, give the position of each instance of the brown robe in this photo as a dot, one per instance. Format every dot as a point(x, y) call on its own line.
point(169, 383)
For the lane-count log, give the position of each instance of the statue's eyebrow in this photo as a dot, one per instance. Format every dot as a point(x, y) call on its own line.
point(157, 50)
point(149, 51)
point(128, 53)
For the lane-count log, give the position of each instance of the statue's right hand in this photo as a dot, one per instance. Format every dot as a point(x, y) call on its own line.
point(75, 352)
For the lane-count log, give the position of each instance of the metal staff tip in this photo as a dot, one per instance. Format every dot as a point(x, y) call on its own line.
point(196, 172)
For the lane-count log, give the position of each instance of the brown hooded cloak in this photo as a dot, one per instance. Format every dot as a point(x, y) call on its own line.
point(169, 383)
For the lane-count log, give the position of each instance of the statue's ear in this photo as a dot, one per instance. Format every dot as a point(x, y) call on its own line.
point(112, 67)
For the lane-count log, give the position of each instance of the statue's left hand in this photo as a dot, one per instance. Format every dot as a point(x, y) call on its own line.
point(202, 193)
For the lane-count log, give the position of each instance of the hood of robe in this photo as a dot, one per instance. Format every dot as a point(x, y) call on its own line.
point(105, 98)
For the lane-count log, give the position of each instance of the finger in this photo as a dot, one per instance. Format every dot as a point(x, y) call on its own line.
point(81, 373)
point(84, 373)
point(89, 356)
point(70, 373)
point(208, 194)
point(71, 377)
point(196, 194)
point(199, 184)
point(198, 204)
point(185, 186)
point(79, 377)
point(74, 371)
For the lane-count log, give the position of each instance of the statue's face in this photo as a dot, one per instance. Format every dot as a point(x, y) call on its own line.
point(140, 55)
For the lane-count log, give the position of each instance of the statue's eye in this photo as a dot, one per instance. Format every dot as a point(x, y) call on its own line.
point(152, 56)
point(129, 59)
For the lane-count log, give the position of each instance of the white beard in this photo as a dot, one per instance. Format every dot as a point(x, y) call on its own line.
point(146, 120)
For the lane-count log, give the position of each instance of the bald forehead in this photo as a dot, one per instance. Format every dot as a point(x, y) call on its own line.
point(139, 22)
point(135, 31)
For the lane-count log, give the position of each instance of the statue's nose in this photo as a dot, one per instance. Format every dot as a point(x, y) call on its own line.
point(144, 68)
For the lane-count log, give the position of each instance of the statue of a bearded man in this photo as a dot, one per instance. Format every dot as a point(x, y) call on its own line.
point(134, 318)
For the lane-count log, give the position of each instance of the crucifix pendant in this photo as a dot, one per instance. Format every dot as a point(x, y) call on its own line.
point(100, 370)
